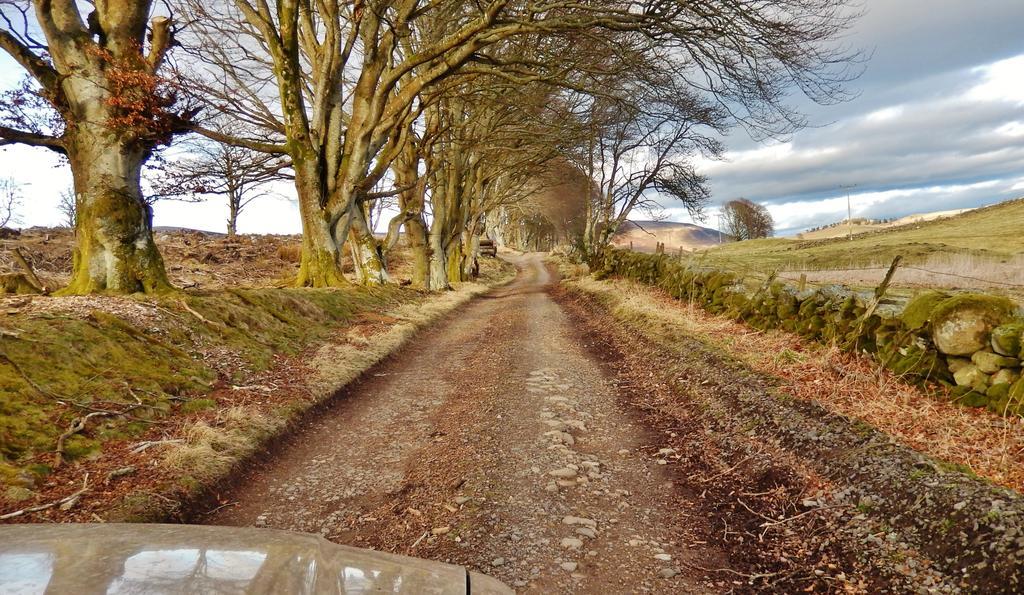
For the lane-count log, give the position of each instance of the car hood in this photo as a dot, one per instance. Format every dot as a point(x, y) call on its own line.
point(136, 558)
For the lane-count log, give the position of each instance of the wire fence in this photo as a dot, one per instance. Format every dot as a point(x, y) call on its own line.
point(783, 270)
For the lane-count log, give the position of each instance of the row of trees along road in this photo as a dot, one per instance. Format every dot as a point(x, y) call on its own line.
point(465, 114)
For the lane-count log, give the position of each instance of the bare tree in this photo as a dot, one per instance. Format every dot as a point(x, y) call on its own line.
point(645, 125)
point(97, 66)
point(10, 202)
point(67, 208)
point(746, 220)
point(208, 168)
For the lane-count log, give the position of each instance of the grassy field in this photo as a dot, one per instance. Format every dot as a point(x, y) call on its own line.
point(841, 230)
point(985, 243)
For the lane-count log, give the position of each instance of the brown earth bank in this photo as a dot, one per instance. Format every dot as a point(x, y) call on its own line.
point(194, 259)
point(548, 444)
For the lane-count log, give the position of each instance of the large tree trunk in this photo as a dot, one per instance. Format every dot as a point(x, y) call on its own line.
point(456, 260)
point(320, 264)
point(324, 232)
point(438, 262)
point(445, 233)
point(367, 254)
point(416, 233)
point(233, 201)
point(471, 247)
point(114, 249)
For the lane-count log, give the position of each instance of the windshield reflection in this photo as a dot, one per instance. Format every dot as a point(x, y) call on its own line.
point(125, 559)
point(194, 570)
point(26, 573)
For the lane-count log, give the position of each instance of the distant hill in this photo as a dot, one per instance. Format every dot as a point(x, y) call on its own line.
point(840, 229)
point(645, 236)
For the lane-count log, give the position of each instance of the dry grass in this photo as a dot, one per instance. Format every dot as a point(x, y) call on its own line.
point(854, 386)
point(209, 451)
point(290, 252)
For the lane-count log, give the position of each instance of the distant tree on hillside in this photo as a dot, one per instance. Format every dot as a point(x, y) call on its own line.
point(747, 220)
point(10, 201)
point(67, 208)
point(208, 168)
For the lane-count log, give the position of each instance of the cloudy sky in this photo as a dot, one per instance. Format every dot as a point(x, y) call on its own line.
point(938, 124)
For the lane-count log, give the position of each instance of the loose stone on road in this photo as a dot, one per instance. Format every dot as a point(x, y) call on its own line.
point(494, 440)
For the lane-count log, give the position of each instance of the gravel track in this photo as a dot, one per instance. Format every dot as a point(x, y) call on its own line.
point(535, 437)
point(494, 440)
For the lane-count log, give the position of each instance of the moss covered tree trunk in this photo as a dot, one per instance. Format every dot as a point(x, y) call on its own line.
point(416, 234)
point(320, 262)
point(405, 169)
point(114, 251)
point(367, 252)
point(456, 260)
point(98, 68)
point(438, 263)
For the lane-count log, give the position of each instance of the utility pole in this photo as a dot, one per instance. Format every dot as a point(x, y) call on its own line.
point(719, 228)
point(849, 211)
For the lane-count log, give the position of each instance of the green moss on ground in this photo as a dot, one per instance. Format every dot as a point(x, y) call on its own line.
point(56, 365)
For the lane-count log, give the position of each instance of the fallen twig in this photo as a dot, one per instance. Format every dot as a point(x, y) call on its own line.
point(805, 513)
point(754, 512)
point(259, 387)
point(751, 577)
point(65, 503)
point(119, 473)
point(727, 471)
point(4, 357)
point(417, 542)
point(77, 425)
point(222, 506)
point(202, 318)
point(141, 446)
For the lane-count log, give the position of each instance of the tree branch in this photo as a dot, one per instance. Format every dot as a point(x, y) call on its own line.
point(11, 136)
point(29, 60)
point(262, 147)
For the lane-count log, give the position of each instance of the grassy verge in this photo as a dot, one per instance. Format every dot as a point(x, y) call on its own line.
point(144, 401)
point(975, 440)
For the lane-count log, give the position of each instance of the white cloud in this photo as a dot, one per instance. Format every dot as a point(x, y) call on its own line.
point(1015, 128)
point(885, 114)
point(956, 148)
point(1002, 81)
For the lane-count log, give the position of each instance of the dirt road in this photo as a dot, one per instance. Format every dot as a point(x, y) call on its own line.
point(496, 441)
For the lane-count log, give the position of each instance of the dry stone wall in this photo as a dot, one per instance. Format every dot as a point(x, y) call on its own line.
point(972, 343)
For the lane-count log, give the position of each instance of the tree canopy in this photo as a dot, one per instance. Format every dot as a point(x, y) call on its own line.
point(458, 112)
